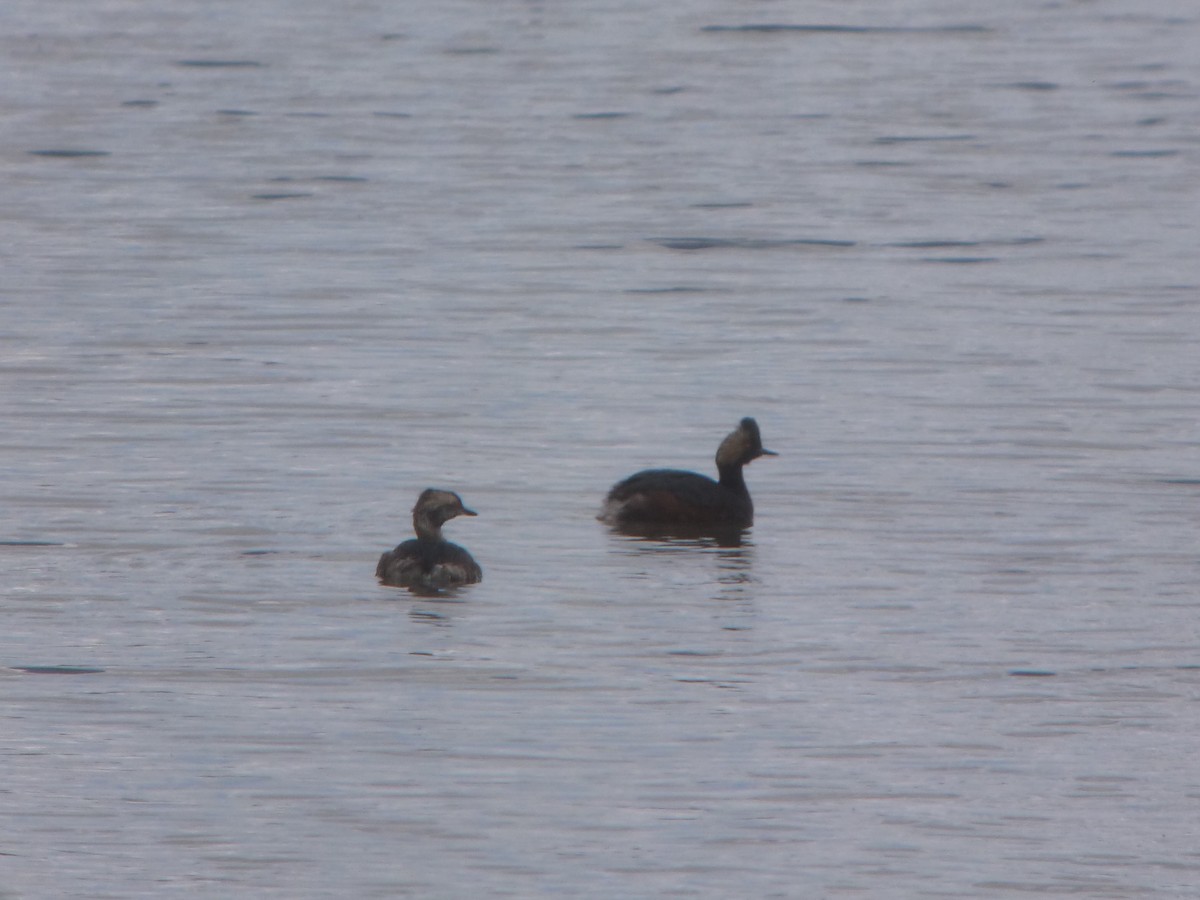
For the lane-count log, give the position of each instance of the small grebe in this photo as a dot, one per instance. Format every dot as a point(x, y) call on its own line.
point(660, 500)
point(430, 561)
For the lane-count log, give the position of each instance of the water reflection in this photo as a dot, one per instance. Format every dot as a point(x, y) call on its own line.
point(654, 537)
point(426, 616)
point(430, 607)
point(734, 563)
point(446, 594)
point(732, 550)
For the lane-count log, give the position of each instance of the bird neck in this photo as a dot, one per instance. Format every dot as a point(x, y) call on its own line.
point(427, 527)
point(731, 477)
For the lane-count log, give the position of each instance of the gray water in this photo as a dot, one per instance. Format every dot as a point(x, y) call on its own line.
point(270, 269)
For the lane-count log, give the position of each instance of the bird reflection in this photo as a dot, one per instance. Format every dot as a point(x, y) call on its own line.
point(734, 572)
point(426, 615)
point(733, 552)
point(670, 539)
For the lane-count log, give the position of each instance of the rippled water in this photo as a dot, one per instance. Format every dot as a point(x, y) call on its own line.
point(271, 269)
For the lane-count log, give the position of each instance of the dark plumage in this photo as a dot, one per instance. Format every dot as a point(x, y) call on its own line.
point(663, 500)
point(429, 561)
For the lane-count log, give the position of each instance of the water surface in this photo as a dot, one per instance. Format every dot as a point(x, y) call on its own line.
point(270, 272)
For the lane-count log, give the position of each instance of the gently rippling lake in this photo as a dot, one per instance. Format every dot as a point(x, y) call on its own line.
point(272, 269)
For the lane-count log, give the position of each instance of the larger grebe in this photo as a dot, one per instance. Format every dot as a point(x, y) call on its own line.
point(666, 499)
point(430, 561)
point(661, 499)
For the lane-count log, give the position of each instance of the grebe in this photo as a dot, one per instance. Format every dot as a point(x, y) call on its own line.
point(430, 561)
point(661, 500)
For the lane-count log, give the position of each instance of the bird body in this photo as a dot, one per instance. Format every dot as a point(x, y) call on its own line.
point(666, 499)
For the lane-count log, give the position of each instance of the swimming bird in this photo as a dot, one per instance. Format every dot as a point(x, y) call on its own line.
point(666, 500)
point(429, 561)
